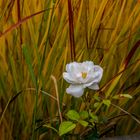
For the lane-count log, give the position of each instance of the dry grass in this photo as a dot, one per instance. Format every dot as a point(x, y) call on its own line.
point(38, 38)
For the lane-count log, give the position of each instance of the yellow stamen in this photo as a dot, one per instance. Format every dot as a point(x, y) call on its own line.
point(84, 75)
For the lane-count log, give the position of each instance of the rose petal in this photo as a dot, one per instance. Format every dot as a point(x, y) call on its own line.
point(88, 65)
point(94, 87)
point(74, 70)
point(99, 71)
point(72, 67)
point(69, 78)
point(94, 76)
point(75, 90)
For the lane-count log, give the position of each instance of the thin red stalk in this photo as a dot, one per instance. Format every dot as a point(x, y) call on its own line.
point(19, 18)
point(107, 84)
point(131, 53)
point(126, 62)
point(14, 26)
point(71, 31)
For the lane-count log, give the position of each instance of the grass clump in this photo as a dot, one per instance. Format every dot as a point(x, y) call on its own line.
point(38, 39)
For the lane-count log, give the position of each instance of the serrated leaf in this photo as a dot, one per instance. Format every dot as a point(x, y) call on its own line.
point(116, 97)
point(83, 115)
point(49, 126)
point(73, 115)
point(96, 97)
point(122, 96)
point(107, 102)
point(92, 122)
point(94, 117)
point(126, 96)
point(65, 127)
point(84, 123)
point(96, 104)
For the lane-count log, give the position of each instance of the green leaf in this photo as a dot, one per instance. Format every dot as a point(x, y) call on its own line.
point(96, 104)
point(93, 116)
point(116, 97)
point(49, 126)
point(65, 127)
point(96, 97)
point(107, 102)
point(122, 96)
point(126, 96)
point(73, 115)
point(83, 115)
point(84, 123)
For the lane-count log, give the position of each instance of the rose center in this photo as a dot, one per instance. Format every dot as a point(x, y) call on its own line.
point(84, 75)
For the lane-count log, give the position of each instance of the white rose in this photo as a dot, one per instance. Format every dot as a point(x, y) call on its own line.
point(82, 75)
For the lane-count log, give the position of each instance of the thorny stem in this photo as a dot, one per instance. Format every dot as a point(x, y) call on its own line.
point(131, 115)
point(138, 121)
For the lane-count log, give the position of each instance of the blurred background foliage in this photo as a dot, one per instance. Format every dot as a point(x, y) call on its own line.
point(37, 40)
